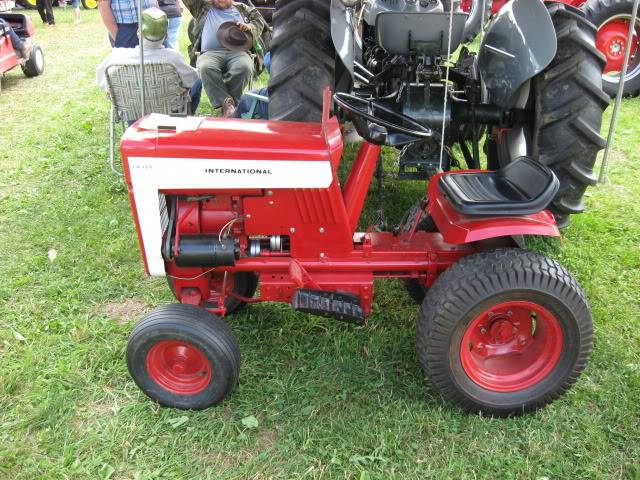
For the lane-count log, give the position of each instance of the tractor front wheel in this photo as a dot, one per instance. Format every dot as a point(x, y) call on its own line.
point(183, 357)
point(35, 65)
point(504, 332)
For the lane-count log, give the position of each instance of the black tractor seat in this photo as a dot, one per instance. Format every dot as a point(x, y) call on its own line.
point(521, 188)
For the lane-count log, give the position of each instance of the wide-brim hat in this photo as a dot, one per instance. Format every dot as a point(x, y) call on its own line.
point(232, 38)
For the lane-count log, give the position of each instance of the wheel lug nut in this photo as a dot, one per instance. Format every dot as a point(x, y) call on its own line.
point(483, 330)
point(509, 313)
point(522, 340)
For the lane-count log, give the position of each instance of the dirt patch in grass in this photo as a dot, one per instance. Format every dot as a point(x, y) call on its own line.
point(264, 439)
point(126, 311)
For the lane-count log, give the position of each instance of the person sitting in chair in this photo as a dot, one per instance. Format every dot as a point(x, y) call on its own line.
point(20, 46)
point(154, 32)
point(223, 33)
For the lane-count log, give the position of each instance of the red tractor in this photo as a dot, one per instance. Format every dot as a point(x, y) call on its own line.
point(223, 206)
point(22, 25)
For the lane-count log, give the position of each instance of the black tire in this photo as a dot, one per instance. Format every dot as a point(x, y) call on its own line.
point(416, 290)
point(489, 280)
point(600, 12)
point(568, 101)
point(245, 285)
point(193, 330)
point(302, 60)
point(35, 65)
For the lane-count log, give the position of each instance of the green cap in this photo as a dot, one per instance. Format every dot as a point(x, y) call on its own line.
point(154, 24)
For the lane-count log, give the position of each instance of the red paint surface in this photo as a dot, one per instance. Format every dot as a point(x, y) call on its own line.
point(612, 41)
point(511, 346)
point(458, 228)
point(323, 251)
point(179, 367)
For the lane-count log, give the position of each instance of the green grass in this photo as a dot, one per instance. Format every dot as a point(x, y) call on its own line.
point(331, 400)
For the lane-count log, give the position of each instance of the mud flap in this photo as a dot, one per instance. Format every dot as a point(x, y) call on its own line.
point(519, 44)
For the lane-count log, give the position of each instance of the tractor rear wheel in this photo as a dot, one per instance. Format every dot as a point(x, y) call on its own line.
point(183, 357)
point(504, 332)
point(611, 18)
point(302, 60)
point(568, 101)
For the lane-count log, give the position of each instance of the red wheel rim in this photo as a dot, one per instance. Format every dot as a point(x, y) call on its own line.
point(465, 5)
point(612, 41)
point(511, 346)
point(179, 367)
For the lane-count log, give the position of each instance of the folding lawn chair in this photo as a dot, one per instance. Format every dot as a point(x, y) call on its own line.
point(164, 94)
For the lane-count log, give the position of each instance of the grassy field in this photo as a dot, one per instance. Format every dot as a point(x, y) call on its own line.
point(330, 400)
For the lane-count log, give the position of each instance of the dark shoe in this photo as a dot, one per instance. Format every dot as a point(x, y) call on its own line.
point(228, 107)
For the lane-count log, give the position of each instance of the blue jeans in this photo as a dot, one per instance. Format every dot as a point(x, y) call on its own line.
point(172, 33)
point(127, 36)
point(195, 92)
point(261, 109)
point(16, 41)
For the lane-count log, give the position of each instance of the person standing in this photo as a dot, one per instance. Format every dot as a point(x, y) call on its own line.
point(224, 73)
point(76, 10)
point(173, 10)
point(121, 19)
point(45, 9)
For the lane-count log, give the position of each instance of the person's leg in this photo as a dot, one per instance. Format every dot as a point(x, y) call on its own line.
point(49, 12)
point(16, 41)
point(40, 7)
point(127, 36)
point(76, 10)
point(239, 71)
point(172, 33)
point(195, 92)
point(210, 66)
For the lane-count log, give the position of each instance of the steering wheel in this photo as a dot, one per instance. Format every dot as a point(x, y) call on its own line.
point(366, 109)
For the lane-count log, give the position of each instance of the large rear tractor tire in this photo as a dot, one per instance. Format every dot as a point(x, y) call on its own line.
point(568, 101)
point(90, 4)
point(611, 18)
point(504, 332)
point(302, 60)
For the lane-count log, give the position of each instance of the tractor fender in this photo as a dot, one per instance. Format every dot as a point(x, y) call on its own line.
point(344, 34)
point(520, 42)
point(457, 228)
